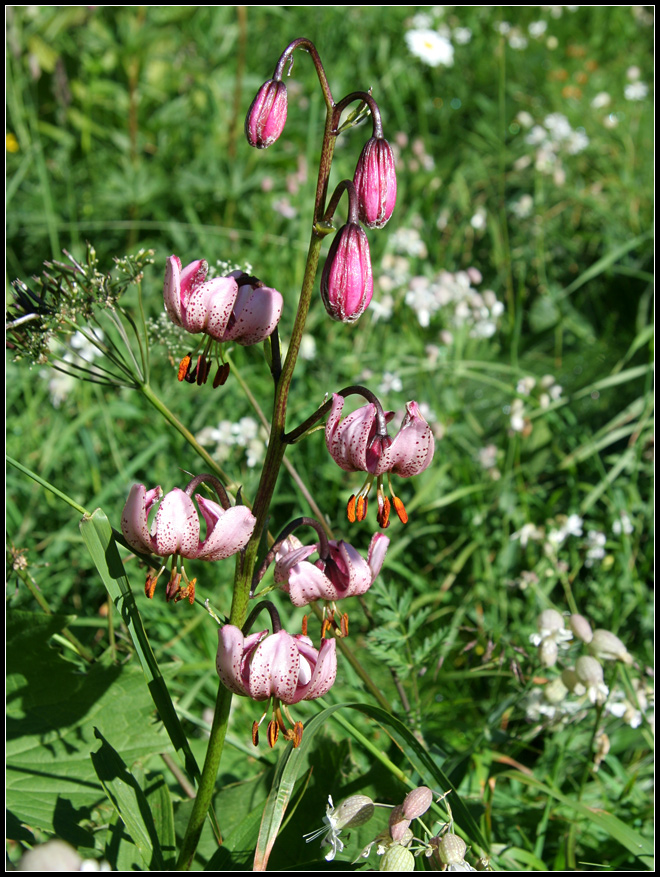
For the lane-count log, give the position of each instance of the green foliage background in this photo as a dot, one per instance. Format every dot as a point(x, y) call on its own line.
point(127, 132)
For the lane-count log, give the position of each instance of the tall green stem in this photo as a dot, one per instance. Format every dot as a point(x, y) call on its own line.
point(274, 456)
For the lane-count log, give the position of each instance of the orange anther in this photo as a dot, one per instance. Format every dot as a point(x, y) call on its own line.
point(344, 624)
point(383, 516)
point(150, 585)
point(400, 509)
point(325, 627)
point(273, 732)
point(255, 733)
point(184, 365)
point(350, 509)
point(221, 375)
point(304, 625)
point(361, 513)
point(297, 734)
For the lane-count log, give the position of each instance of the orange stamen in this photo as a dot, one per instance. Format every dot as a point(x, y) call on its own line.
point(273, 732)
point(184, 365)
point(255, 733)
point(400, 509)
point(383, 516)
point(221, 375)
point(150, 585)
point(325, 627)
point(297, 734)
point(304, 625)
point(361, 508)
point(350, 509)
point(344, 624)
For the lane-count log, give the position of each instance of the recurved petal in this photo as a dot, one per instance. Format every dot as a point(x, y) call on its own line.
point(412, 448)
point(255, 315)
point(325, 670)
point(176, 529)
point(134, 523)
point(229, 658)
point(228, 531)
point(353, 576)
point(307, 583)
point(275, 668)
point(209, 307)
point(377, 551)
point(348, 441)
point(179, 284)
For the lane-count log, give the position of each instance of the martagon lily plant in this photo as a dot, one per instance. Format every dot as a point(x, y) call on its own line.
point(209, 520)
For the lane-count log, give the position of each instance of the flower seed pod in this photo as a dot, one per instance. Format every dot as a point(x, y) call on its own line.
point(267, 115)
point(354, 811)
point(581, 628)
point(375, 183)
point(608, 647)
point(451, 849)
point(398, 823)
point(397, 858)
point(417, 802)
point(347, 281)
point(588, 670)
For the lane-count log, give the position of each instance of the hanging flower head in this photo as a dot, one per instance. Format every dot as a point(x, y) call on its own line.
point(234, 308)
point(277, 666)
point(175, 531)
point(360, 442)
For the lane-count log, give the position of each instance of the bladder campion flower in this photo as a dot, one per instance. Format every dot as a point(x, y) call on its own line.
point(351, 813)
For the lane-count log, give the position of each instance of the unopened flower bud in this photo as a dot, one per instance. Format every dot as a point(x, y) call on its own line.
point(347, 281)
point(375, 183)
point(417, 802)
point(398, 823)
point(397, 858)
point(608, 647)
point(451, 849)
point(354, 811)
point(267, 115)
point(581, 628)
point(555, 692)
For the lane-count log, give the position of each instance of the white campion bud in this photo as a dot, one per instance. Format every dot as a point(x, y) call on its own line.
point(397, 858)
point(607, 646)
point(581, 628)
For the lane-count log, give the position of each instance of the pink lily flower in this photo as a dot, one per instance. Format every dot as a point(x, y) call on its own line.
point(345, 573)
point(234, 308)
point(360, 442)
point(285, 667)
point(176, 530)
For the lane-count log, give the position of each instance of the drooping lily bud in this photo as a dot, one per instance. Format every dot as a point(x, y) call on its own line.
point(347, 282)
point(375, 183)
point(267, 115)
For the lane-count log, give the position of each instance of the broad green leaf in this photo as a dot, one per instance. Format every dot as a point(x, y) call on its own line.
point(129, 801)
point(52, 710)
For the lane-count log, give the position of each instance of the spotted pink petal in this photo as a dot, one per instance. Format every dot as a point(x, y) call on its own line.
point(210, 306)
point(376, 556)
point(228, 530)
point(179, 284)
point(412, 448)
point(348, 440)
point(275, 668)
point(176, 528)
point(256, 313)
point(325, 667)
point(134, 523)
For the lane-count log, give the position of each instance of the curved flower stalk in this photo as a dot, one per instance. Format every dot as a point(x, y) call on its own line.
point(280, 666)
point(360, 442)
point(234, 308)
point(175, 531)
point(344, 573)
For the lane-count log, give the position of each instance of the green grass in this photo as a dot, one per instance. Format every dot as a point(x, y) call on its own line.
point(125, 129)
